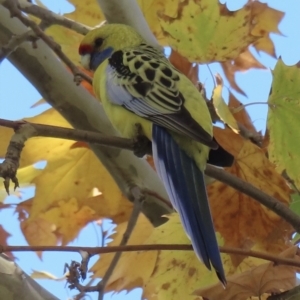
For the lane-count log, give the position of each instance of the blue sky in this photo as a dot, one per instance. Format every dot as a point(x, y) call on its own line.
point(15, 104)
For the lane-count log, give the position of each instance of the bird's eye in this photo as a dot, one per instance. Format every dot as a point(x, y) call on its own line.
point(98, 42)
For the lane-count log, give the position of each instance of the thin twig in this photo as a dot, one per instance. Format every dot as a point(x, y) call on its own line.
point(14, 42)
point(137, 205)
point(151, 247)
point(12, 6)
point(241, 107)
point(70, 134)
point(292, 294)
point(10, 165)
point(248, 189)
point(52, 18)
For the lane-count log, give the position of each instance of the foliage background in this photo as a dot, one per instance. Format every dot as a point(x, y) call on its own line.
point(15, 103)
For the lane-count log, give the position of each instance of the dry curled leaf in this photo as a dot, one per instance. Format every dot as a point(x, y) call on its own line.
point(266, 278)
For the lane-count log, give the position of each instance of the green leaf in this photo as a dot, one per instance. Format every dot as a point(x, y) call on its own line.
point(284, 120)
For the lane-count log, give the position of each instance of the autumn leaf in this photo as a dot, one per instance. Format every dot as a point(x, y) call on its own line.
point(266, 20)
point(240, 220)
point(217, 42)
point(39, 232)
point(226, 35)
point(266, 278)
point(283, 120)
point(187, 68)
point(229, 140)
point(69, 218)
point(221, 107)
point(62, 180)
point(134, 269)
point(177, 273)
point(243, 62)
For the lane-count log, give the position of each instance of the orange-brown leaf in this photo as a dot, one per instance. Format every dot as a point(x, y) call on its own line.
point(185, 66)
point(84, 83)
point(266, 278)
point(39, 232)
point(229, 140)
point(266, 20)
point(241, 220)
point(243, 62)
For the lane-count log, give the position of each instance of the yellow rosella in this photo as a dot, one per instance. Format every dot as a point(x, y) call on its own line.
point(138, 85)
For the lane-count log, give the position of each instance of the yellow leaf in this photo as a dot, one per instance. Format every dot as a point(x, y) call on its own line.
point(71, 172)
point(68, 40)
point(177, 273)
point(117, 208)
point(134, 268)
point(63, 179)
point(222, 109)
point(40, 148)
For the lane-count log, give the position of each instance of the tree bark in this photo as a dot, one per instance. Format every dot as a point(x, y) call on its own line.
point(15, 284)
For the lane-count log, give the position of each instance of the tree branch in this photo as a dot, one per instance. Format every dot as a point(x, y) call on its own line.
point(70, 134)
point(248, 189)
point(151, 247)
point(52, 18)
point(292, 294)
point(16, 284)
point(14, 43)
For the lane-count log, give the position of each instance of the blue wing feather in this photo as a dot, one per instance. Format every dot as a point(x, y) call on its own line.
point(186, 188)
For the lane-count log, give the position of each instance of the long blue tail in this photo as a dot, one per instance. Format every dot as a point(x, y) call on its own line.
point(186, 189)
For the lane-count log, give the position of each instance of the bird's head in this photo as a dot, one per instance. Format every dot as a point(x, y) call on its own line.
point(100, 43)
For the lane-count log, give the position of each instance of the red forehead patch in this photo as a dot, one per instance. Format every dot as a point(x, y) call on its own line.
point(85, 49)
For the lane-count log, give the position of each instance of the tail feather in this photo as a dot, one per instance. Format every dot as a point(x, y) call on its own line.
point(186, 188)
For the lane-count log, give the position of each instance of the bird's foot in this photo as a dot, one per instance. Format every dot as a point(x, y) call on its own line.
point(142, 145)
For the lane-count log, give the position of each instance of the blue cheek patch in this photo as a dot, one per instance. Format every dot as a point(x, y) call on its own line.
point(98, 57)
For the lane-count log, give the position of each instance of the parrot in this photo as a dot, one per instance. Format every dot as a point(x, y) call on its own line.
point(137, 84)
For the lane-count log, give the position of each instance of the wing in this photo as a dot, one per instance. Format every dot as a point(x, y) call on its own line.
point(143, 81)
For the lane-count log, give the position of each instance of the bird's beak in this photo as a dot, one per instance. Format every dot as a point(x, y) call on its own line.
point(86, 60)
